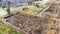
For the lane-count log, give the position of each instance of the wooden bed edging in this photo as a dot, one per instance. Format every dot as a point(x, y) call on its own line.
point(13, 26)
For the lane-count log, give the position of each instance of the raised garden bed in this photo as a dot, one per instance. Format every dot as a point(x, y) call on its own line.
point(33, 24)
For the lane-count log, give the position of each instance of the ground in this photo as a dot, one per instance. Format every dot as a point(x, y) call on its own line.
point(5, 29)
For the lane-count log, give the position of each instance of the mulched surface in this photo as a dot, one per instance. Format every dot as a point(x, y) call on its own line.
point(33, 24)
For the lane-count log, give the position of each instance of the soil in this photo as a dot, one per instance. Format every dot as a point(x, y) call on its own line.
point(33, 24)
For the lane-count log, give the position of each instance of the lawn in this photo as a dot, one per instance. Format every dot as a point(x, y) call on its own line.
point(5, 29)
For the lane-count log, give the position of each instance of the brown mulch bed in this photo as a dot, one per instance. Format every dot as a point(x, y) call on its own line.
point(33, 24)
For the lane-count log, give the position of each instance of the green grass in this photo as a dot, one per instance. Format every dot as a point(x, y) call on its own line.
point(5, 29)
